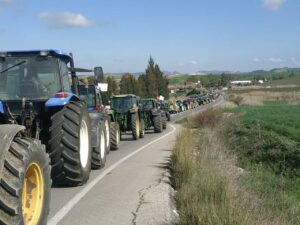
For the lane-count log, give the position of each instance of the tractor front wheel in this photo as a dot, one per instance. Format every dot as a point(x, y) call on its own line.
point(25, 183)
point(99, 152)
point(115, 136)
point(135, 126)
point(157, 124)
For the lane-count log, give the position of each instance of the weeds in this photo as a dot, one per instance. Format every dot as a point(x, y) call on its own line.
point(209, 118)
point(206, 179)
point(236, 99)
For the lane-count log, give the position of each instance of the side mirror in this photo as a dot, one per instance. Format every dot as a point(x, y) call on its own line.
point(98, 71)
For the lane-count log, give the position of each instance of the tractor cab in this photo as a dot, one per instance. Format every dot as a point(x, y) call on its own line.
point(124, 103)
point(148, 104)
point(32, 83)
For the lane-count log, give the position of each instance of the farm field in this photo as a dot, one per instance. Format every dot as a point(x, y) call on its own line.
point(257, 143)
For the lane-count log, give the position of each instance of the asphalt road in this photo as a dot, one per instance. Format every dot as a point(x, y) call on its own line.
point(113, 194)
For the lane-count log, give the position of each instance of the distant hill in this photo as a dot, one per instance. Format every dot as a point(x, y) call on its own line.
point(276, 70)
point(214, 72)
point(259, 71)
point(280, 70)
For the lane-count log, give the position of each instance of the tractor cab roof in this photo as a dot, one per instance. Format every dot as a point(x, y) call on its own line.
point(124, 96)
point(48, 52)
point(148, 99)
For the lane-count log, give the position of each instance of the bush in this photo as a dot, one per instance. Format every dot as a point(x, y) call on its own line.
point(236, 99)
point(209, 118)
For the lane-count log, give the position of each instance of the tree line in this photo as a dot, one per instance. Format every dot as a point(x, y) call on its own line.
point(150, 84)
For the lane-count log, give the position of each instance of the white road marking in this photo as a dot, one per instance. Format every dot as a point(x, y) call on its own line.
point(70, 205)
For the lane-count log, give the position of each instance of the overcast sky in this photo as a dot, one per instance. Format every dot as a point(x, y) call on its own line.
point(181, 35)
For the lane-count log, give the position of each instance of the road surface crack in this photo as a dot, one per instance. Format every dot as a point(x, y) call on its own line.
point(142, 193)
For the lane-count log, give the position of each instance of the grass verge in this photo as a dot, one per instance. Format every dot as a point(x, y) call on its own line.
point(206, 179)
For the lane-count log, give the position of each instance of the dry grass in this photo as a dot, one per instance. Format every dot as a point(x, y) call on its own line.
point(209, 118)
point(258, 97)
point(206, 179)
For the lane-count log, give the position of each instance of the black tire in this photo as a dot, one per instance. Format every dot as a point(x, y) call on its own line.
point(71, 165)
point(164, 121)
point(99, 152)
point(169, 116)
point(157, 124)
point(23, 153)
point(107, 134)
point(135, 126)
point(115, 136)
point(142, 130)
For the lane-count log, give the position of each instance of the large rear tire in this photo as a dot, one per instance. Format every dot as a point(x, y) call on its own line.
point(70, 146)
point(135, 126)
point(164, 121)
point(157, 124)
point(99, 152)
point(115, 136)
point(107, 134)
point(25, 183)
point(169, 117)
point(142, 129)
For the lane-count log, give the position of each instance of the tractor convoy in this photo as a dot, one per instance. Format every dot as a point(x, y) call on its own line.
point(54, 128)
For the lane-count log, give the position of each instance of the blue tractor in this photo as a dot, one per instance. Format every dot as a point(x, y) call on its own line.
point(102, 132)
point(44, 123)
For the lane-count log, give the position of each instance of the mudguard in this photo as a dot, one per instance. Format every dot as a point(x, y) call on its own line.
point(7, 134)
point(55, 101)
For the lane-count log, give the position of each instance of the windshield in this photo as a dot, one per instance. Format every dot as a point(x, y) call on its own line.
point(122, 103)
point(147, 104)
point(28, 77)
point(87, 94)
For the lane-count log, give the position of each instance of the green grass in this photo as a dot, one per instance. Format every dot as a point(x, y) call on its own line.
point(266, 140)
point(287, 81)
point(201, 172)
point(178, 80)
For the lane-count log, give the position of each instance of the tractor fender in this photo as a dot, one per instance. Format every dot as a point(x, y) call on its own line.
point(55, 101)
point(7, 134)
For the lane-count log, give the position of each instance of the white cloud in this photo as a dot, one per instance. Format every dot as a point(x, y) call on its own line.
point(274, 60)
point(256, 59)
point(62, 20)
point(194, 62)
point(273, 5)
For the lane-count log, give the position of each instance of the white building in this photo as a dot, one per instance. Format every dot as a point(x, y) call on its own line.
point(241, 82)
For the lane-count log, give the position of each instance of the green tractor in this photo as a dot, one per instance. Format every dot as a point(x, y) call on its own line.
point(165, 106)
point(153, 115)
point(124, 110)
